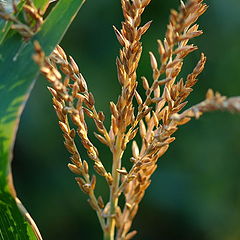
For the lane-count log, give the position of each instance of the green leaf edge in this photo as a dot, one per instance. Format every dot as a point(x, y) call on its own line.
point(67, 9)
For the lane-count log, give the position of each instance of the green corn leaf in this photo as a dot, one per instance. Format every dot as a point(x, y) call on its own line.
point(18, 73)
point(6, 26)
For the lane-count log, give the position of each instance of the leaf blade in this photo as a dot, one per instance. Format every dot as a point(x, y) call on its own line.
point(17, 76)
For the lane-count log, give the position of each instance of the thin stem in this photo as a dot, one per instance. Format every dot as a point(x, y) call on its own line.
point(94, 200)
point(213, 102)
point(98, 211)
point(107, 236)
point(117, 155)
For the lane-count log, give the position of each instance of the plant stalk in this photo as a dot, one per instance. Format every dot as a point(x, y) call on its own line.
point(117, 155)
point(107, 236)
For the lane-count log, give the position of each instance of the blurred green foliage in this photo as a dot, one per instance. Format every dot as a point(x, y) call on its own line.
point(195, 193)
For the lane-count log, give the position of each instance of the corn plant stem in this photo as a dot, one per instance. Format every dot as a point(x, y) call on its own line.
point(117, 155)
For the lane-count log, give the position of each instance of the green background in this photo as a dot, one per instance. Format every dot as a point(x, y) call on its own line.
point(195, 193)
